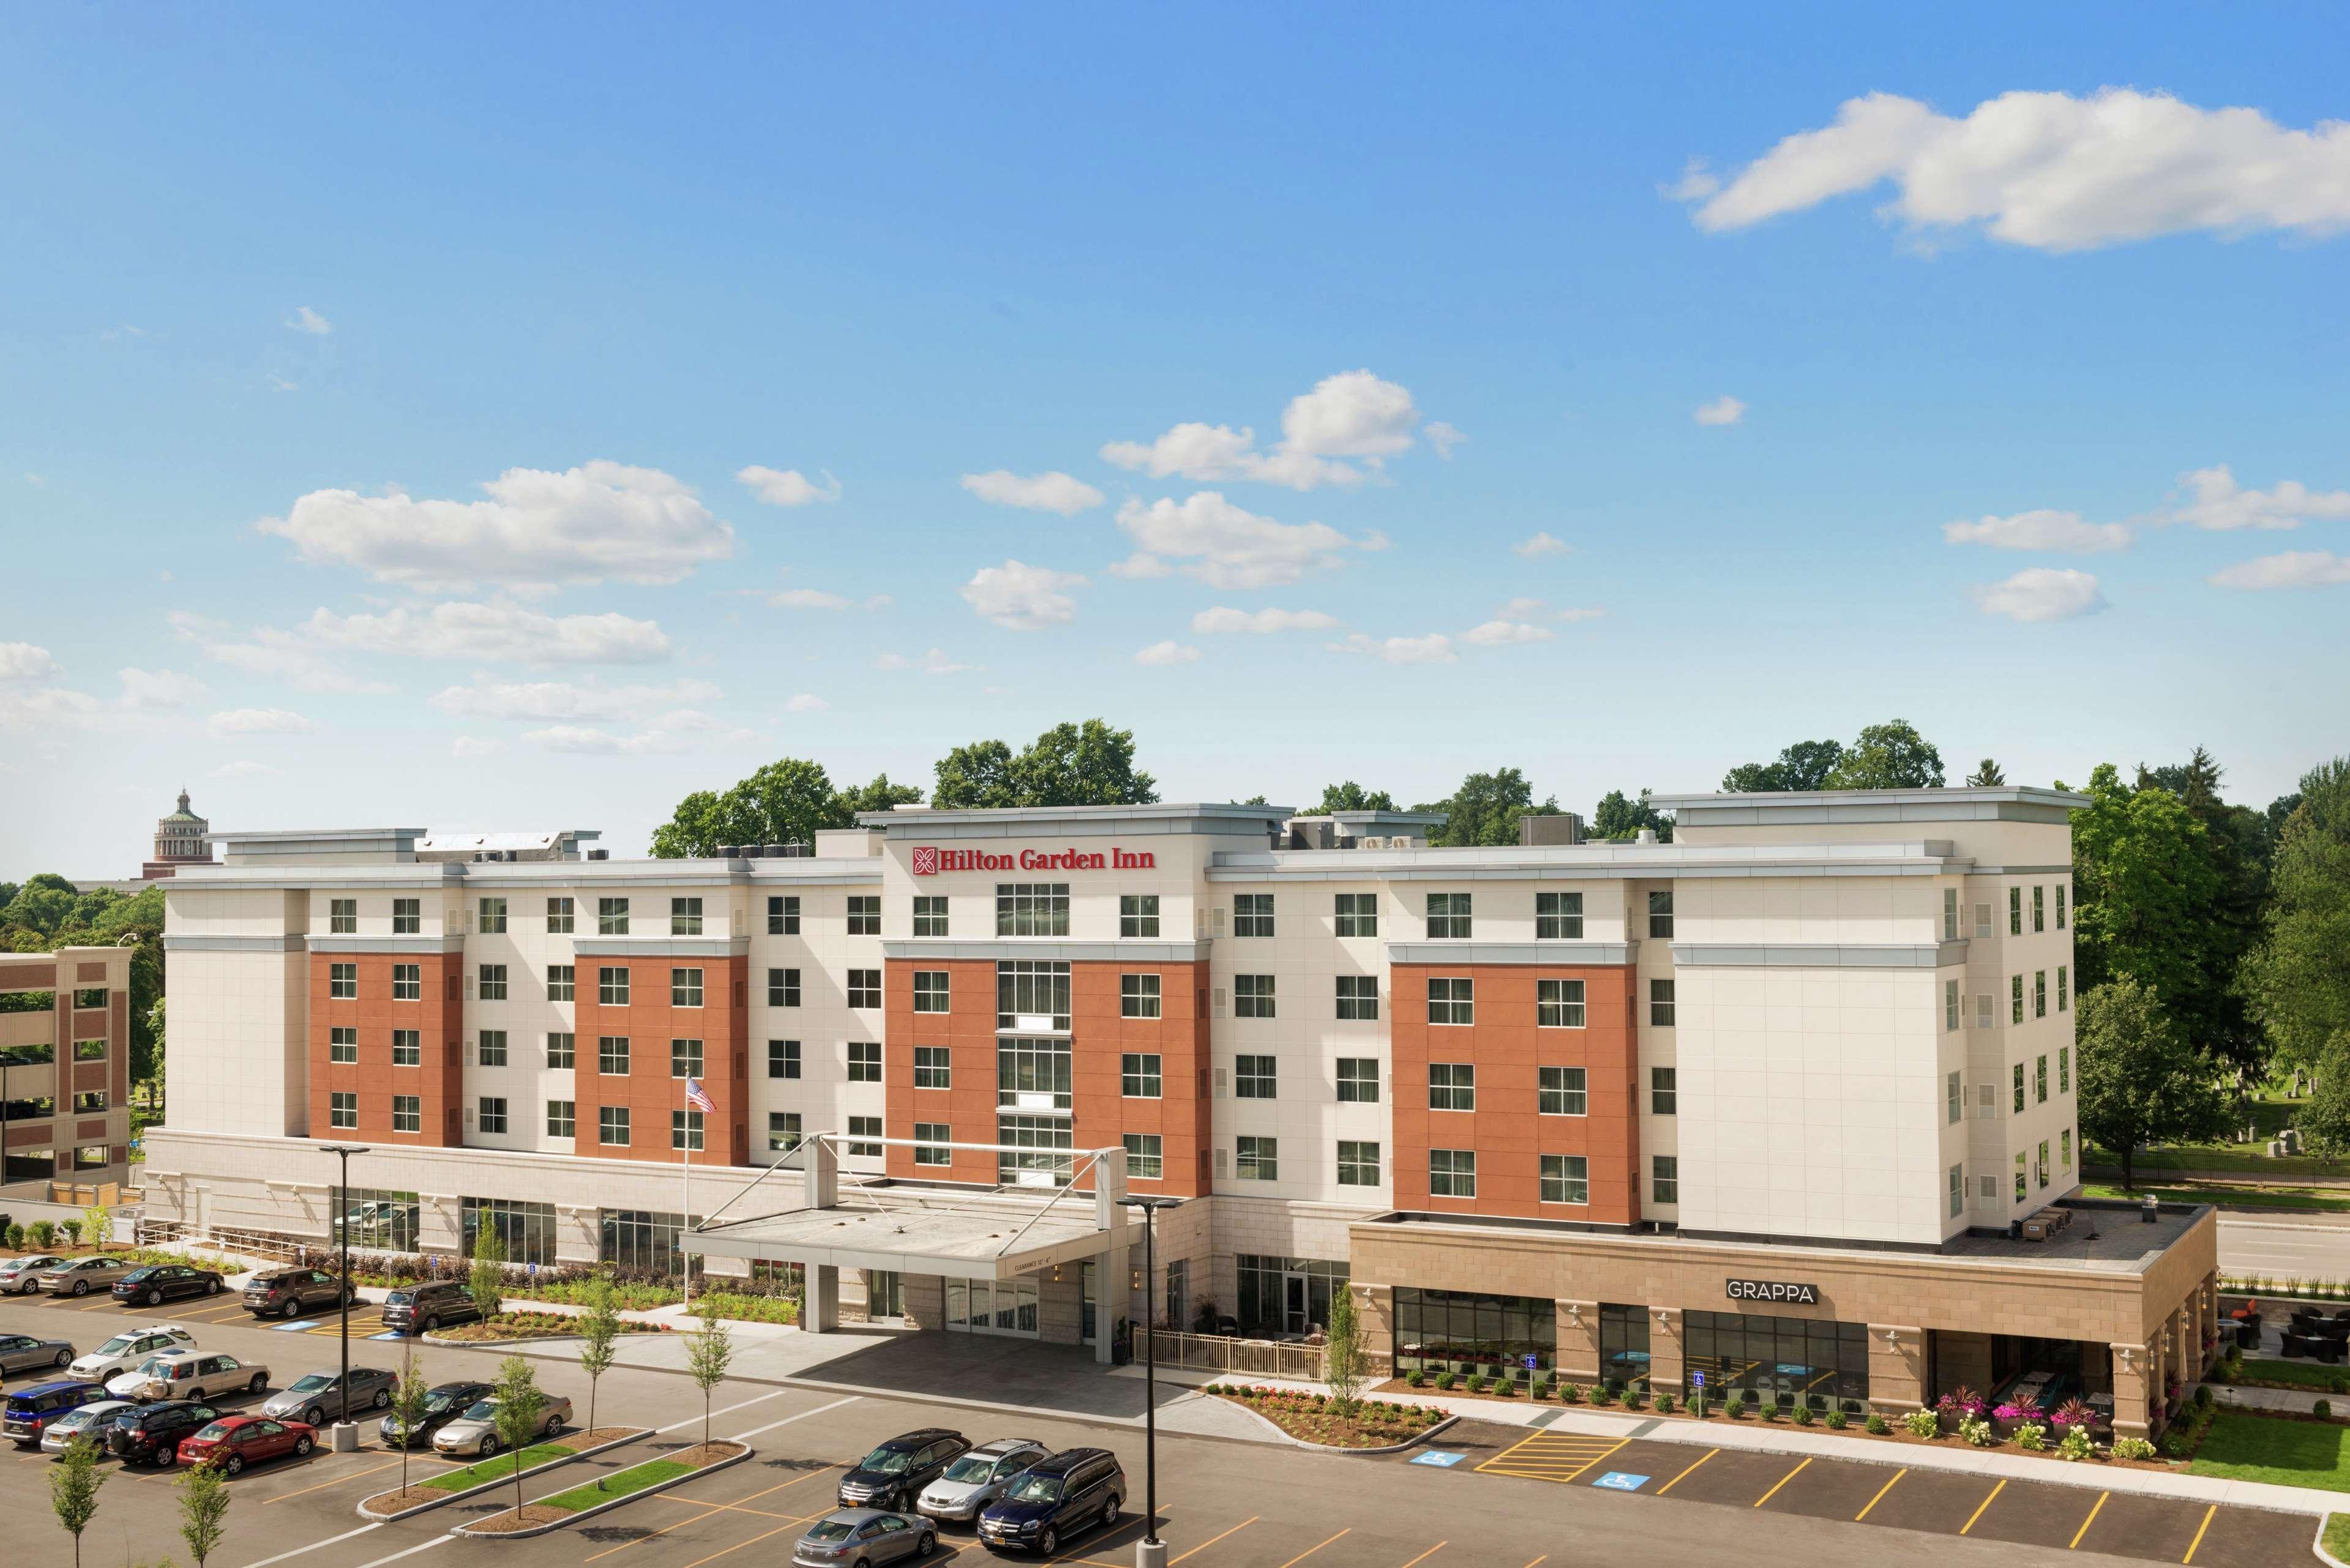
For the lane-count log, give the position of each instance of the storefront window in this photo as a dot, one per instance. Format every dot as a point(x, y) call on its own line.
point(526, 1231)
point(642, 1240)
point(1825, 1363)
point(379, 1218)
point(1623, 1345)
point(1285, 1296)
point(1460, 1331)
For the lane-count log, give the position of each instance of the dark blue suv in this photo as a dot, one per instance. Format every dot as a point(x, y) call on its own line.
point(1073, 1491)
point(30, 1410)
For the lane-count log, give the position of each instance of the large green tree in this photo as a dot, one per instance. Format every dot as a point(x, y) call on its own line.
point(1620, 819)
point(786, 802)
point(2301, 971)
point(2143, 888)
point(1069, 764)
point(2138, 1077)
point(101, 918)
point(1486, 809)
point(2224, 1022)
point(1804, 765)
point(1351, 796)
point(1892, 755)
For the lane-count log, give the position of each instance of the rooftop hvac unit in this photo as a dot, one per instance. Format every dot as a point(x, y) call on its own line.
point(777, 851)
point(1400, 841)
point(728, 851)
point(1372, 841)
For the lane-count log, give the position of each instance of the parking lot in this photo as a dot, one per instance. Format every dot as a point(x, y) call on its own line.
point(1513, 1500)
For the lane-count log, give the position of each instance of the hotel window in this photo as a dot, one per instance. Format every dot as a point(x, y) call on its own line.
point(562, 982)
point(1358, 914)
point(864, 1060)
point(407, 916)
point(1561, 1091)
point(1664, 1094)
point(89, 1100)
point(407, 1048)
point(1358, 997)
point(1256, 1158)
point(2064, 1144)
point(1451, 1086)
point(1956, 1093)
point(784, 916)
point(407, 983)
point(1252, 914)
point(343, 917)
point(686, 917)
point(493, 916)
point(1358, 1080)
point(1661, 1003)
point(612, 986)
point(1565, 1178)
point(562, 1118)
point(2063, 1069)
point(1949, 1005)
point(562, 1049)
point(1449, 916)
point(932, 1067)
point(494, 982)
point(2040, 1081)
point(1031, 993)
point(1138, 914)
point(492, 1115)
point(2039, 994)
point(1255, 1077)
point(1138, 1075)
point(343, 981)
point(1661, 915)
point(2060, 906)
point(611, 916)
point(783, 1058)
point(783, 988)
point(1452, 1173)
point(492, 1048)
point(2064, 995)
point(2015, 911)
point(1958, 1190)
point(783, 1131)
point(685, 1058)
point(1032, 1076)
point(1665, 1178)
point(612, 1124)
point(1145, 1157)
point(1950, 914)
point(2040, 1166)
point(90, 1051)
point(931, 991)
point(1358, 1163)
point(1558, 1004)
point(1983, 920)
point(685, 1130)
point(2015, 997)
point(1558, 917)
point(929, 917)
point(407, 1113)
point(931, 1140)
point(560, 914)
point(1138, 996)
point(1986, 1011)
point(1032, 908)
point(343, 1045)
point(865, 988)
point(2039, 911)
point(342, 1109)
point(865, 915)
point(864, 1127)
point(2019, 1088)
point(612, 1056)
point(1253, 996)
point(1451, 1000)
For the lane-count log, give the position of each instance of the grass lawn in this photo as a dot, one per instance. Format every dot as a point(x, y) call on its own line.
point(2284, 1453)
point(2316, 1200)
point(2337, 1536)
point(636, 1477)
point(500, 1468)
point(2301, 1373)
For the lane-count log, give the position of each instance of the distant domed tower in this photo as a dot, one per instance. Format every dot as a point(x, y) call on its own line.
point(180, 840)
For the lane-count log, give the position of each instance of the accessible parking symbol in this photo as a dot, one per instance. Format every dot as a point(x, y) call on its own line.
point(1442, 1457)
point(1619, 1480)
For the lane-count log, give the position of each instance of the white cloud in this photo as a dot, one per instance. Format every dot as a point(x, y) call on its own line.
point(2293, 569)
point(245, 769)
point(684, 730)
point(1236, 548)
point(305, 319)
point(476, 746)
point(1140, 568)
point(272, 652)
point(1434, 648)
point(501, 633)
point(1443, 437)
point(1351, 415)
point(814, 599)
point(787, 486)
point(2042, 593)
point(1543, 544)
point(24, 661)
point(145, 694)
point(1502, 633)
point(536, 530)
point(160, 689)
point(489, 699)
point(1723, 411)
point(2053, 172)
point(1224, 618)
point(259, 722)
point(2041, 530)
point(934, 662)
point(2220, 503)
point(806, 702)
point(1168, 652)
point(1022, 598)
point(1049, 492)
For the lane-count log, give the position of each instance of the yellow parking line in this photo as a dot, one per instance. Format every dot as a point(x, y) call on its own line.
point(323, 1485)
point(1880, 1494)
point(1316, 1547)
point(1985, 1504)
point(2094, 1509)
point(1244, 1524)
point(1782, 1481)
point(1677, 1480)
point(1428, 1554)
point(2199, 1533)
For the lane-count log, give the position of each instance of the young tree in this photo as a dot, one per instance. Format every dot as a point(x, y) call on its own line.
point(2138, 1079)
point(1342, 1357)
point(98, 1224)
point(203, 1509)
point(486, 1281)
point(73, 1489)
point(600, 1337)
point(1352, 796)
point(709, 1352)
point(1986, 774)
point(1892, 755)
point(408, 1404)
point(520, 1403)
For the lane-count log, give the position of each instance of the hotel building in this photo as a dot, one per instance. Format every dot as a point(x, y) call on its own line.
point(64, 1067)
point(1766, 1106)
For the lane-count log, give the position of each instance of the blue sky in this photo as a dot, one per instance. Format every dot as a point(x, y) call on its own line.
point(268, 271)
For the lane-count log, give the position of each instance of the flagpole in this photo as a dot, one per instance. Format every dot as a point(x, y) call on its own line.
point(685, 1264)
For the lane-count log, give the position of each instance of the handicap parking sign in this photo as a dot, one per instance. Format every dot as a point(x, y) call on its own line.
point(1442, 1459)
point(1617, 1480)
point(1697, 1380)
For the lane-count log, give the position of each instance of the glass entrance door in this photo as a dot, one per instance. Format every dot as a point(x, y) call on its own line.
point(1296, 1304)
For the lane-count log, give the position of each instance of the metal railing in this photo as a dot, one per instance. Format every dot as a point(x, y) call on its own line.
point(1224, 1352)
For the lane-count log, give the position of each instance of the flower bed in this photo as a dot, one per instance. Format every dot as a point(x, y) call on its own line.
point(746, 1309)
point(513, 1326)
point(1317, 1418)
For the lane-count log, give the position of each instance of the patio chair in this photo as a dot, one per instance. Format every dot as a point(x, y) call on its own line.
point(2329, 1351)
point(2291, 1346)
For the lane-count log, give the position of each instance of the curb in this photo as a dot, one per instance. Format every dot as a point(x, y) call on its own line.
point(2318, 1545)
point(361, 1507)
point(1297, 1442)
point(447, 1344)
point(469, 1532)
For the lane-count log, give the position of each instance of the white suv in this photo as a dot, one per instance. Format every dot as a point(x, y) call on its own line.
point(187, 1374)
point(128, 1348)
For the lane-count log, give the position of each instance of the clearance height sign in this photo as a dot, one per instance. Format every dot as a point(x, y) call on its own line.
point(928, 860)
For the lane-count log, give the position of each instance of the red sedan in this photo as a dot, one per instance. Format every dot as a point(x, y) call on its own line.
point(233, 1442)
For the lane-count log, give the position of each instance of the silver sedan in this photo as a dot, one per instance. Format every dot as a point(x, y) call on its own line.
point(23, 1353)
point(21, 1276)
point(89, 1421)
point(851, 1536)
point(476, 1431)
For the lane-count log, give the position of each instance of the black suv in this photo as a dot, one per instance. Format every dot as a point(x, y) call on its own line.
point(893, 1475)
point(421, 1309)
point(290, 1293)
point(444, 1405)
point(152, 1434)
point(1053, 1499)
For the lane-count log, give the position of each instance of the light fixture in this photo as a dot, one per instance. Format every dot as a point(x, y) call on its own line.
point(1892, 1334)
point(1575, 1314)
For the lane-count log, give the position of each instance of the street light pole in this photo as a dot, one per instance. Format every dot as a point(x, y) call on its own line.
point(1149, 1552)
point(346, 1435)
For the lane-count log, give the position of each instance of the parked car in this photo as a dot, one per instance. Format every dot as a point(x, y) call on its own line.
point(93, 1420)
point(187, 1374)
point(421, 1309)
point(316, 1398)
point(290, 1293)
point(444, 1403)
point(978, 1478)
point(233, 1442)
point(22, 1353)
point(893, 1475)
point(30, 1409)
point(20, 1276)
point(132, 1346)
point(864, 1537)
point(150, 1434)
point(153, 1284)
point(1074, 1490)
point(79, 1276)
point(476, 1431)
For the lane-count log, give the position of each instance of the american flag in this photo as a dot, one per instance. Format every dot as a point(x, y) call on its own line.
point(699, 1097)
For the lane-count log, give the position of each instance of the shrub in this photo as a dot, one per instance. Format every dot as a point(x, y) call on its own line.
point(1771, 1409)
point(72, 1229)
point(1803, 1415)
point(1922, 1423)
point(1696, 1406)
point(2202, 1395)
point(2032, 1438)
point(1735, 1409)
point(1603, 1394)
point(1476, 1383)
point(2133, 1449)
point(1547, 1388)
point(1447, 1381)
point(2323, 1410)
point(1837, 1420)
point(16, 1237)
point(1416, 1378)
point(1877, 1423)
point(1665, 1404)
point(1633, 1399)
point(1572, 1393)
point(44, 1233)
point(1978, 1432)
point(2338, 1385)
point(1506, 1387)
point(2076, 1445)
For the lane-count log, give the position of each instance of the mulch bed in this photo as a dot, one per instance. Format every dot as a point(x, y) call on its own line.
point(514, 1325)
point(1377, 1424)
point(578, 1442)
point(530, 1516)
point(702, 1454)
point(398, 1501)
